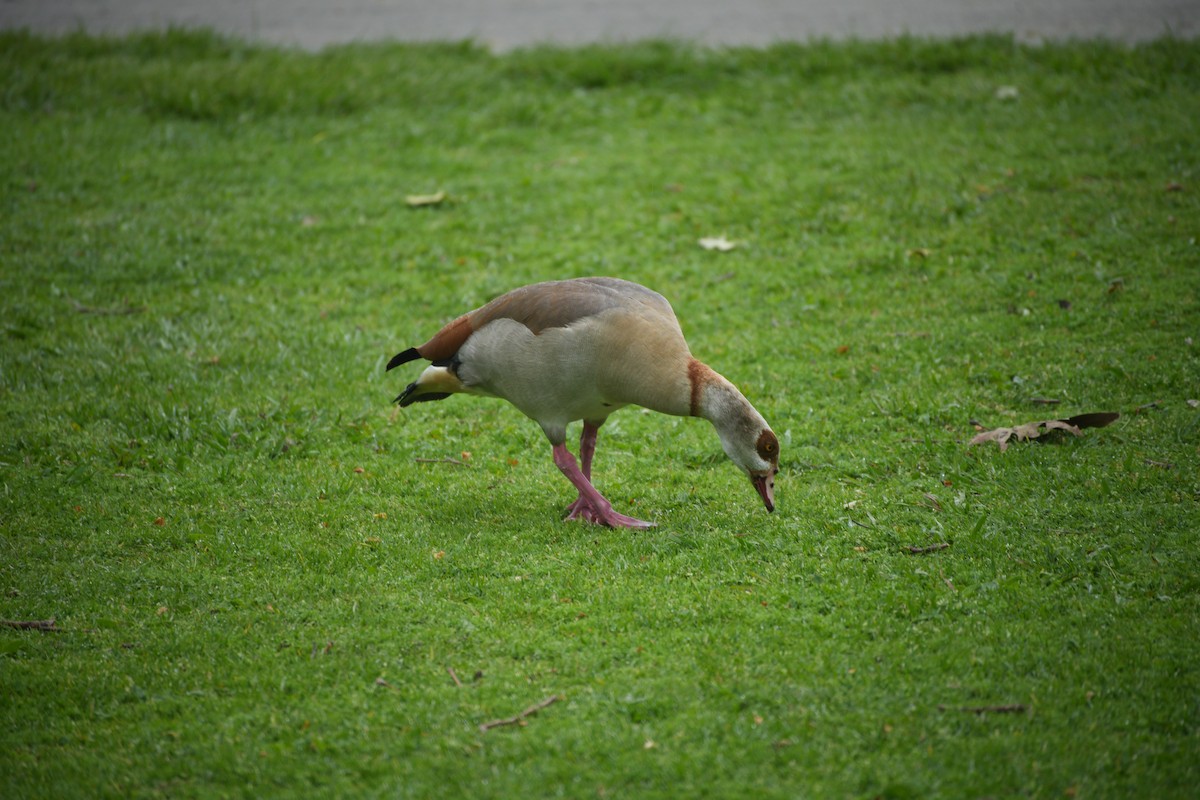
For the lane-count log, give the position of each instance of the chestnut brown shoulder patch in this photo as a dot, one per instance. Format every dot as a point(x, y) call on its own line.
point(446, 342)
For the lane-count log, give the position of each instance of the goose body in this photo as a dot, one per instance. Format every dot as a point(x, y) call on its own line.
point(580, 349)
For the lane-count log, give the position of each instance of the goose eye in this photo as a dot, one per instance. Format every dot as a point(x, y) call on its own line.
point(768, 446)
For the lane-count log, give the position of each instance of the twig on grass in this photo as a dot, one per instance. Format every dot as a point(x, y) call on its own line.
point(519, 719)
point(445, 460)
point(933, 548)
point(31, 625)
point(107, 312)
point(1015, 708)
point(454, 677)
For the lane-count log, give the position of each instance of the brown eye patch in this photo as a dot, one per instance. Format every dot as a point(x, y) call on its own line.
point(768, 446)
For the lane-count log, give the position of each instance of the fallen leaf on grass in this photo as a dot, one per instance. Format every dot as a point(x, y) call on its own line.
point(1032, 430)
point(419, 200)
point(719, 243)
point(1097, 419)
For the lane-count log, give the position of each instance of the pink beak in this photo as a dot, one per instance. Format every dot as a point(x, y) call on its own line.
point(765, 484)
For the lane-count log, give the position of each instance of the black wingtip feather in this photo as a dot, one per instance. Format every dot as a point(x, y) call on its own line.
point(408, 355)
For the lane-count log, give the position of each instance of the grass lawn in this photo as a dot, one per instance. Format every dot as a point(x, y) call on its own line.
point(268, 581)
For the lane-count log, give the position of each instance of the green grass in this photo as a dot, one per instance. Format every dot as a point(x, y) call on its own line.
point(261, 590)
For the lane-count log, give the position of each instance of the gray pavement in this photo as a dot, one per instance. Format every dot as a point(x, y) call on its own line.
point(505, 24)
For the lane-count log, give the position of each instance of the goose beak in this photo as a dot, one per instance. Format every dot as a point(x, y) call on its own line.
point(765, 486)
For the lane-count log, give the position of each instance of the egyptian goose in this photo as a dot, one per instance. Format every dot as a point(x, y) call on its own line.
point(581, 349)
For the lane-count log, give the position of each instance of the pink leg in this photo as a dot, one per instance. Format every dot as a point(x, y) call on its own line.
point(587, 449)
point(591, 505)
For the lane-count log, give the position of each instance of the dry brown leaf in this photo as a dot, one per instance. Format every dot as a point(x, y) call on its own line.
point(1032, 430)
point(1000, 436)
